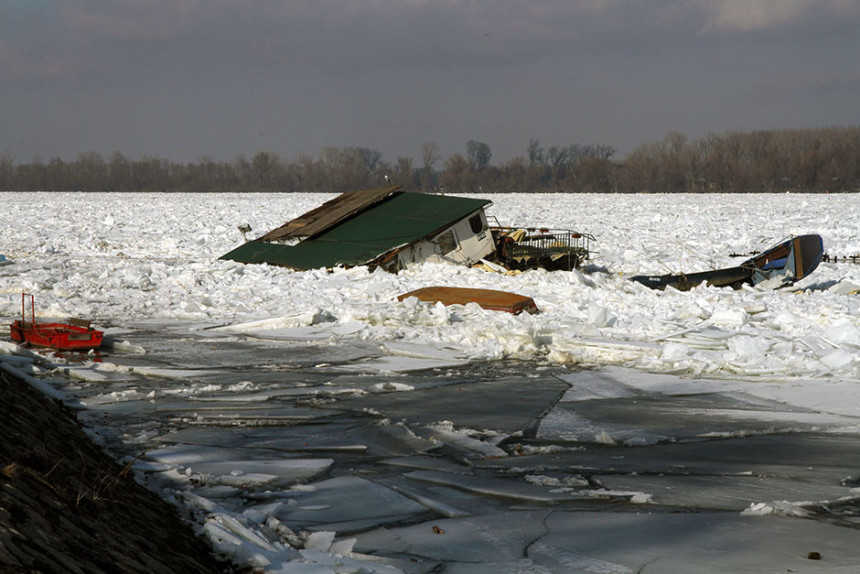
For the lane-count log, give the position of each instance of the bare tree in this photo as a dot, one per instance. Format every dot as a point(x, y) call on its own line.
point(430, 154)
point(535, 152)
point(809, 160)
point(478, 154)
point(403, 171)
point(457, 176)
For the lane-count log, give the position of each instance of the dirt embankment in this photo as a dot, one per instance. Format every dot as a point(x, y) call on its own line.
point(66, 506)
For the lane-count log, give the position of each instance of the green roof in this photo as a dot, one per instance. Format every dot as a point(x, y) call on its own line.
point(330, 214)
point(403, 219)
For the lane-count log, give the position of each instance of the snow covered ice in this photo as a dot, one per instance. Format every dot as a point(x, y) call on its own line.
point(310, 422)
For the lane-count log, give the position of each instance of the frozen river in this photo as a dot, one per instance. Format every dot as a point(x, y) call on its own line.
point(307, 422)
point(498, 466)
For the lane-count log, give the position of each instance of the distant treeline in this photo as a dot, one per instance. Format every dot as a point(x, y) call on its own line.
point(801, 160)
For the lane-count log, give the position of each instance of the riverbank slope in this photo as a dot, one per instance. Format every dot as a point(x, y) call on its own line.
point(66, 506)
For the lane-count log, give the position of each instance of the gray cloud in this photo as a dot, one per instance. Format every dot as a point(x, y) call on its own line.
point(183, 78)
point(757, 15)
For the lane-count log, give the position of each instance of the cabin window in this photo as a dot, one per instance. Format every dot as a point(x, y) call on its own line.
point(476, 223)
point(446, 242)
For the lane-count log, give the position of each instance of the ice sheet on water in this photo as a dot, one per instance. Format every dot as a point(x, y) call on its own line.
point(424, 463)
point(614, 382)
point(666, 542)
point(826, 397)
point(394, 364)
point(494, 539)
point(232, 467)
point(404, 357)
point(778, 417)
point(589, 385)
point(690, 409)
point(239, 414)
point(460, 441)
point(559, 559)
point(567, 425)
point(384, 438)
point(737, 493)
point(230, 537)
point(335, 502)
point(165, 373)
point(421, 351)
point(316, 562)
point(504, 488)
point(781, 507)
point(310, 444)
point(14, 360)
point(433, 503)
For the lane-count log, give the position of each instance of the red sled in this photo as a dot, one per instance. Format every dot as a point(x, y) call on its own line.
point(76, 335)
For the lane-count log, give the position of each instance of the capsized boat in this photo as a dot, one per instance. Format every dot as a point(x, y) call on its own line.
point(783, 264)
point(489, 299)
point(76, 335)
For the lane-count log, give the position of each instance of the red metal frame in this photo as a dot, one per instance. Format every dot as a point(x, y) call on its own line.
point(60, 336)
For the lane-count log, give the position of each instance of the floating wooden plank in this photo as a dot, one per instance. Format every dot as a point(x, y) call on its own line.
point(489, 299)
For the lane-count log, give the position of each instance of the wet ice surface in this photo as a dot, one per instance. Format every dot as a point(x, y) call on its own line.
point(491, 466)
point(306, 422)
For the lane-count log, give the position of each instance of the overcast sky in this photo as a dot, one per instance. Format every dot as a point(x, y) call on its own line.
point(181, 79)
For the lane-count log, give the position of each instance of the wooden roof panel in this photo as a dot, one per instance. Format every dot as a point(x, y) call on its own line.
point(330, 213)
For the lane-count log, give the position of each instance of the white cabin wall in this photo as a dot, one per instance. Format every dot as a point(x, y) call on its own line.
point(471, 246)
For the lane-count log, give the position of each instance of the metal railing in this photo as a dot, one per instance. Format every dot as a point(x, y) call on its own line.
point(530, 247)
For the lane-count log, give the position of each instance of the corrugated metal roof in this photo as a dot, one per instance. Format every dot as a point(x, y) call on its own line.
point(400, 220)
